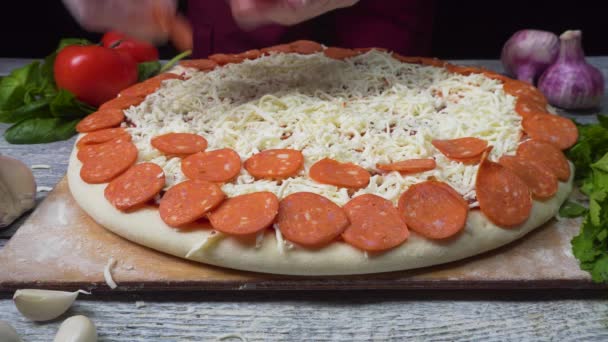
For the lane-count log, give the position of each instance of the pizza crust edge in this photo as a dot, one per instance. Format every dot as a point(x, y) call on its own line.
point(146, 228)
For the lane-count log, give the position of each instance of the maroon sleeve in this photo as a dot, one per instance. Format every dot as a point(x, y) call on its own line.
point(404, 26)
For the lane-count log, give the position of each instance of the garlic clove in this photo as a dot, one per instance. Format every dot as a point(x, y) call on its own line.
point(76, 329)
point(8, 333)
point(17, 190)
point(44, 305)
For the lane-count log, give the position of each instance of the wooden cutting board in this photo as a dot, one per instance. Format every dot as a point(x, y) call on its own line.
point(60, 247)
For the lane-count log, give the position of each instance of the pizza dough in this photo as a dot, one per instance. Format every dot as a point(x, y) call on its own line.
point(146, 228)
point(365, 111)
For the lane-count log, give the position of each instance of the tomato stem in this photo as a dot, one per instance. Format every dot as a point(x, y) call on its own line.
point(115, 44)
point(174, 60)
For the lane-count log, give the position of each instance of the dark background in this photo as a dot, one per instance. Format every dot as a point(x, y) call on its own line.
point(462, 29)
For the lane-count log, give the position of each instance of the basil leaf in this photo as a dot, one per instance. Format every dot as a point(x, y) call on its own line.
point(40, 130)
point(603, 120)
point(146, 70)
point(571, 209)
point(65, 105)
point(72, 41)
point(12, 93)
point(38, 108)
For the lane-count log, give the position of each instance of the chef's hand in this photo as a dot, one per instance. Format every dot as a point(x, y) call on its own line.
point(252, 13)
point(144, 19)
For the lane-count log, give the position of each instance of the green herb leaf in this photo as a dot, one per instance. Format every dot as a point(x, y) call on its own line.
point(65, 105)
point(72, 41)
point(599, 272)
point(38, 108)
point(601, 164)
point(12, 93)
point(571, 209)
point(603, 119)
point(146, 70)
point(40, 130)
point(590, 155)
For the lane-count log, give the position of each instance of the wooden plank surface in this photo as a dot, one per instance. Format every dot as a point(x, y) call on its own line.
point(60, 246)
point(322, 316)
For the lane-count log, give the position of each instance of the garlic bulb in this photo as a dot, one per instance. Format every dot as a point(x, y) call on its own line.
point(571, 82)
point(44, 305)
point(7, 333)
point(17, 190)
point(76, 329)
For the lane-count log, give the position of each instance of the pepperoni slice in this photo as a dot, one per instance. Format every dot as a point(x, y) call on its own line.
point(463, 70)
point(461, 148)
point(102, 136)
point(503, 197)
point(213, 166)
point(344, 175)
point(408, 59)
point(100, 119)
point(92, 151)
point(433, 209)
point(556, 130)
point(368, 49)
point(108, 161)
point(281, 48)
point(250, 54)
point(375, 224)
point(409, 166)
point(436, 62)
point(468, 161)
point(148, 86)
point(420, 60)
point(306, 47)
point(223, 58)
point(245, 214)
point(496, 76)
point(340, 53)
point(541, 181)
point(136, 186)
point(199, 64)
point(122, 102)
point(310, 220)
point(524, 89)
point(179, 143)
point(527, 107)
point(189, 201)
point(547, 155)
point(275, 164)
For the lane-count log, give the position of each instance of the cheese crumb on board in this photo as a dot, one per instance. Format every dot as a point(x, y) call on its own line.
point(40, 167)
point(107, 273)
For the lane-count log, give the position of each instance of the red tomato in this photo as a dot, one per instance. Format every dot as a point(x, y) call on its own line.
point(94, 74)
point(141, 51)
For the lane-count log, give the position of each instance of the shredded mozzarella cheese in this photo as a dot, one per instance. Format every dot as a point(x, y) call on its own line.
point(206, 243)
point(366, 110)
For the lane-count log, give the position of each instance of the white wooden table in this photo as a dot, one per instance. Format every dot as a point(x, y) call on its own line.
point(320, 316)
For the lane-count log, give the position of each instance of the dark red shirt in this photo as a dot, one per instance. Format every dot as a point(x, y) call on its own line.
point(404, 26)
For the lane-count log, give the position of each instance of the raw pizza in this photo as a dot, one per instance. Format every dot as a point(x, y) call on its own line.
point(311, 160)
